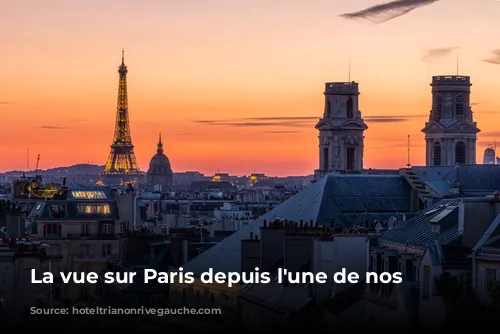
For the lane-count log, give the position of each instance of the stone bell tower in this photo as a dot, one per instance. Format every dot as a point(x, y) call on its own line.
point(341, 139)
point(450, 133)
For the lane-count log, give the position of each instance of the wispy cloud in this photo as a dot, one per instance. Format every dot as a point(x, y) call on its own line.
point(494, 57)
point(432, 55)
point(391, 118)
point(475, 103)
point(387, 11)
point(49, 127)
point(302, 121)
point(295, 122)
point(282, 132)
point(6, 102)
point(490, 134)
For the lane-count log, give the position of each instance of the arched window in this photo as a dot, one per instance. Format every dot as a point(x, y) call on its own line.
point(460, 153)
point(437, 154)
point(350, 111)
point(459, 106)
point(328, 111)
point(438, 108)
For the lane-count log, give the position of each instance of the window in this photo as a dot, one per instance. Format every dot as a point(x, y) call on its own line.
point(437, 154)
point(328, 111)
point(124, 226)
point(491, 278)
point(107, 229)
point(438, 108)
point(88, 194)
point(52, 230)
point(54, 250)
point(459, 106)
point(416, 272)
point(402, 268)
point(84, 250)
point(107, 250)
point(85, 230)
point(350, 111)
point(89, 209)
point(460, 153)
point(326, 164)
point(426, 282)
point(351, 155)
point(57, 211)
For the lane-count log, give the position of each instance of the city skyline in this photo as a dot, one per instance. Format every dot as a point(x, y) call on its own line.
point(234, 100)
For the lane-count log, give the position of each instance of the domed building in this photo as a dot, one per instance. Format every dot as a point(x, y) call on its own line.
point(160, 173)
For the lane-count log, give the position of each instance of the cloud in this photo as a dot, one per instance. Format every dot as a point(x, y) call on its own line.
point(494, 58)
point(5, 102)
point(295, 122)
point(282, 132)
point(438, 53)
point(387, 11)
point(492, 134)
point(475, 103)
point(49, 127)
point(391, 118)
point(302, 121)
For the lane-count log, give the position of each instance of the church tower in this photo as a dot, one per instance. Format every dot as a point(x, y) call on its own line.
point(341, 140)
point(450, 133)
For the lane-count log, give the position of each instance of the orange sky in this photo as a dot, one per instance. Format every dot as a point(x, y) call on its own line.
point(234, 62)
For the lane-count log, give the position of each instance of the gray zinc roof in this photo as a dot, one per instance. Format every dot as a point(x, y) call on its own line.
point(417, 231)
point(347, 198)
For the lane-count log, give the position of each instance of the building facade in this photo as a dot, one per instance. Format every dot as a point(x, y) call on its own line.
point(450, 133)
point(341, 140)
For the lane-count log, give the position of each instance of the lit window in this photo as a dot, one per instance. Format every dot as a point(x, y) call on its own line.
point(90, 209)
point(88, 194)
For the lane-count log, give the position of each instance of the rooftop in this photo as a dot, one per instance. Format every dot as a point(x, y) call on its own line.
point(349, 199)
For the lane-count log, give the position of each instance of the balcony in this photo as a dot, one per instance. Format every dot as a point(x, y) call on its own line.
point(91, 258)
point(90, 236)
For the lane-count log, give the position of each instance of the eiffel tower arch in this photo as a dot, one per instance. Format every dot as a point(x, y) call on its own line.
point(121, 166)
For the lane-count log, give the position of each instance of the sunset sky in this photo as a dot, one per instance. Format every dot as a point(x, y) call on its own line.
point(250, 67)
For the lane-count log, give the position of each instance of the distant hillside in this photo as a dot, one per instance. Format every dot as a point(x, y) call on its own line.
point(72, 170)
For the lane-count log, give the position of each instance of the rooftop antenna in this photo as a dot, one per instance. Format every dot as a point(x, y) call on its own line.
point(27, 160)
point(349, 69)
point(457, 63)
point(408, 165)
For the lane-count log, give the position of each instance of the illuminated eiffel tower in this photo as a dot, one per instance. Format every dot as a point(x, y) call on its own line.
point(121, 167)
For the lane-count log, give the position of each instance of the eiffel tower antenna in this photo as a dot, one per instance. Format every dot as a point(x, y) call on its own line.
point(121, 166)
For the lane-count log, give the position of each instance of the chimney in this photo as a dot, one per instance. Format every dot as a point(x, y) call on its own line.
point(250, 254)
point(271, 244)
point(64, 181)
point(414, 200)
point(461, 217)
point(185, 252)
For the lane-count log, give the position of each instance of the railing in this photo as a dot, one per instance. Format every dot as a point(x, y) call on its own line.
point(91, 236)
point(93, 257)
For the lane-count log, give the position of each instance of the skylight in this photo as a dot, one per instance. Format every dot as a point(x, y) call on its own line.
point(88, 194)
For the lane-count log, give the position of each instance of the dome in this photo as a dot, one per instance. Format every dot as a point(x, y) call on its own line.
point(159, 162)
point(160, 171)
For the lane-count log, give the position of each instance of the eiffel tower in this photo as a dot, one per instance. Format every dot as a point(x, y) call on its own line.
point(121, 167)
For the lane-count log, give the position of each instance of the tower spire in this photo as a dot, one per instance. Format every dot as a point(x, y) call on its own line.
point(160, 145)
point(121, 162)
